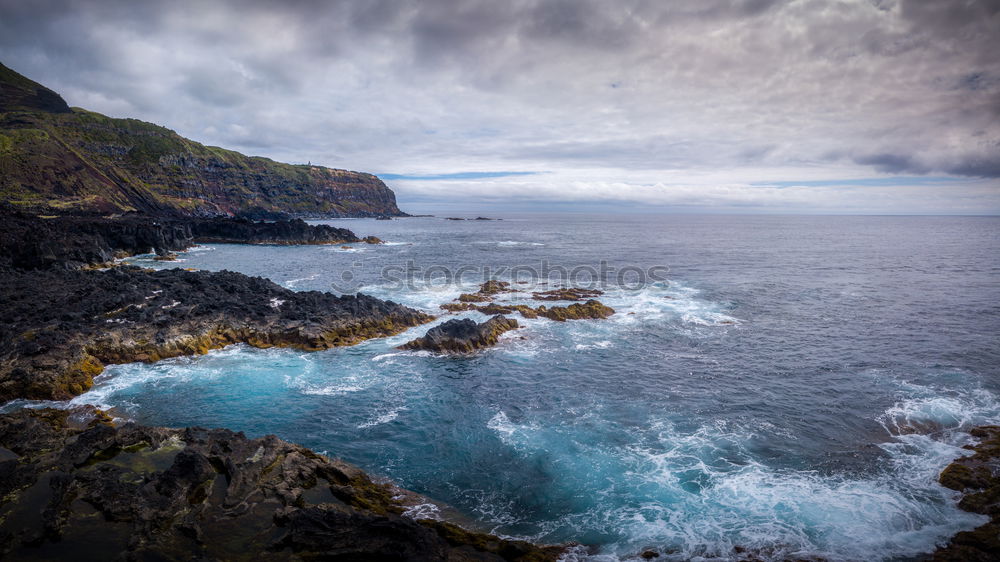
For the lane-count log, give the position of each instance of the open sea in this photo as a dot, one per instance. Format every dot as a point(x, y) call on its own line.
point(787, 385)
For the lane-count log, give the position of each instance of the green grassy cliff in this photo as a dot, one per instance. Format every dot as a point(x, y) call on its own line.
point(56, 160)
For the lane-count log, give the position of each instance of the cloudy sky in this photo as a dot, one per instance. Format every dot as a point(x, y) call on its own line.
point(885, 106)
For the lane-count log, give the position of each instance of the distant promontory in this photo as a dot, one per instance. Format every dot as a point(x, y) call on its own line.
point(59, 160)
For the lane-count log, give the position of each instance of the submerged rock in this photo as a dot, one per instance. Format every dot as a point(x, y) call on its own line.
point(977, 477)
point(458, 306)
point(62, 327)
point(525, 310)
point(463, 336)
point(569, 294)
point(74, 483)
point(473, 297)
point(591, 309)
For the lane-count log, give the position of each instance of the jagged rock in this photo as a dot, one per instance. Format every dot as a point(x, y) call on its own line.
point(463, 336)
point(28, 242)
point(978, 478)
point(244, 231)
point(525, 310)
point(73, 484)
point(473, 297)
point(372, 240)
point(591, 309)
point(493, 287)
point(457, 306)
point(569, 294)
point(61, 327)
point(485, 293)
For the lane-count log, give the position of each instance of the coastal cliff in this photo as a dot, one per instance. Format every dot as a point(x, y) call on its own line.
point(74, 485)
point(60, 160)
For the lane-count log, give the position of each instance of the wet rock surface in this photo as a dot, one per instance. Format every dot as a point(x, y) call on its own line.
point(62, 327)
point(463, 336)
point(977, 477)
point(569, 294)
point(590, 310)
point(74, 486)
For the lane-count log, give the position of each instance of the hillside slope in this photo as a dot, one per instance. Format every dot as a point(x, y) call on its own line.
point(57, 160)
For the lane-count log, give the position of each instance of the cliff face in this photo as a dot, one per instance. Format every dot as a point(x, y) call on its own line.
point(58, 160)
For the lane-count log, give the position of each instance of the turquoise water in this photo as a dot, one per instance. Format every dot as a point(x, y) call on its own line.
point(793, 387)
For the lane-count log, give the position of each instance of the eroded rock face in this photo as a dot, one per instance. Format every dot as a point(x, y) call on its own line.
point(74, 486)
point(62, 327)
point(28, 242)
point(978, 478)
point(463, 336)
point(295, 231)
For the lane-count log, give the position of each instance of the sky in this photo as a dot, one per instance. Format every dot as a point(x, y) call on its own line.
point(756, 106)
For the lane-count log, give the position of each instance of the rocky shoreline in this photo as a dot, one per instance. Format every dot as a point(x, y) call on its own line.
point(74, 242)
point(76, 485)
point(62, 327)
point(977, 477)
point(63, 323)
point(72, 482)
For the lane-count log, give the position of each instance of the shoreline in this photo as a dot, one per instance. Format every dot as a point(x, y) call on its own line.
point(56, 362)
point(211, 493)
point(166, 300)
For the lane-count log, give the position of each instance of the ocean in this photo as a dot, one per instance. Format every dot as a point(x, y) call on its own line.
point(789, 386)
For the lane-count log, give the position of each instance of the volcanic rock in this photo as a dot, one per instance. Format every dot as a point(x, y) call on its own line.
point(977, 477)
point(62, 327)
point(569, 294)
point(75, 485)
point(591, 309)
point(463, 336)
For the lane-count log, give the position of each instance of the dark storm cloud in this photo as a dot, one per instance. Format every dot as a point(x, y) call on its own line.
point(754, 89)
point(893, 163)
